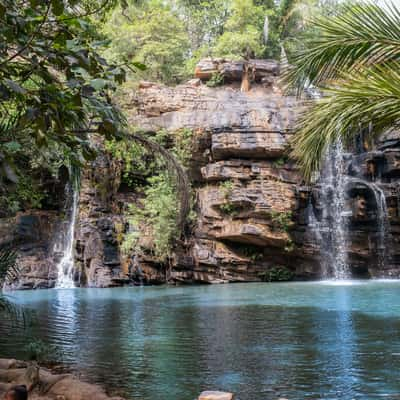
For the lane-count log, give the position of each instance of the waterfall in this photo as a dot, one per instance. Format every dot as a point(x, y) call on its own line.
point(65, 267)
point(331, 228)
point(382, 222)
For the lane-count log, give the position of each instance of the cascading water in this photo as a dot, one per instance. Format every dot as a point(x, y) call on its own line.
point(65, 267)
point(382, 222)
point(331, 228)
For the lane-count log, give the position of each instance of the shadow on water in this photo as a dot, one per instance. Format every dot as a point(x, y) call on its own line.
point(298, 341)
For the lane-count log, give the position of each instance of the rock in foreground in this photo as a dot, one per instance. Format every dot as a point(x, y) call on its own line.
point(212, 395)
point(43, 385)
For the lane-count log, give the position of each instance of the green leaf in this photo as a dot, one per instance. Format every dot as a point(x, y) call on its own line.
point(139, 66)
point(98, 83)
point(15, 86)
point(57, 6)
point(12, 147)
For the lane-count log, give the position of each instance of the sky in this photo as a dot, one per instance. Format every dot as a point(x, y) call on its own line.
point(382, 2)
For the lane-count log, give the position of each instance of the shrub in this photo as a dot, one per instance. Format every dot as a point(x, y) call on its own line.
point(217, 79)
point(281, 220)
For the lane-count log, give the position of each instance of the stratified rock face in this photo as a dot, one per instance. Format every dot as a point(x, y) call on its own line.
point(98, 262)
point(254, 216)
point(373, 195)
point(32, 234)
point(232, 71)
point(247, 198)
point(253, 212)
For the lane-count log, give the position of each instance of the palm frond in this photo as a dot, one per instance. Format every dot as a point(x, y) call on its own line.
point(360, 35)
point(9, 271)
point(364, 98)
point(12, 313)
point(8, 264)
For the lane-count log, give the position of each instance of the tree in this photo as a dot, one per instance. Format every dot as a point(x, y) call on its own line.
point(150, 33)
point(355, 62)
point(55, 87)
point(242, 36)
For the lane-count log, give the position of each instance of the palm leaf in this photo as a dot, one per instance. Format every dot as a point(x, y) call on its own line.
point(370, 97)
point(360, 35)
point(8, 266)
point(9, 272)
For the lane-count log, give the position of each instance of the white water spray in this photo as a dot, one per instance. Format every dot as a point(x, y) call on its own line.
point(331, 230)
point(65, 267)
point(383, 222)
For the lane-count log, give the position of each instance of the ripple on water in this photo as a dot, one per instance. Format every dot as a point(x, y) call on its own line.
point(329, 339)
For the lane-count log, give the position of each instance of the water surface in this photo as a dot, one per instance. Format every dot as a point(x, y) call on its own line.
point(261, 341)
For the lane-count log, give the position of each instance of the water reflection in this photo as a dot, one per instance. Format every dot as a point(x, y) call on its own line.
point(262, 341)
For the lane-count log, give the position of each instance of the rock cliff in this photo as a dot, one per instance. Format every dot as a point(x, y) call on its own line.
point(249, 224)
point(253, 213)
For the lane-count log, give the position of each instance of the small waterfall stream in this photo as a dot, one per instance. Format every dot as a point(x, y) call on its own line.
point(382, 221)
point(65, 267)
point(331, 228)
point(334, 221)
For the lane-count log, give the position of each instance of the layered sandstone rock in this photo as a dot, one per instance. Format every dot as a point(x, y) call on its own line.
point(247, 194)
point(253, 212)
point(98, 255)
point(32, 234)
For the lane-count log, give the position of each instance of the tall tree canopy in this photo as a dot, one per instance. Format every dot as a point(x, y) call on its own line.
point(55, 89)
point(54, 84)
point(170, 36)
point(149, 33)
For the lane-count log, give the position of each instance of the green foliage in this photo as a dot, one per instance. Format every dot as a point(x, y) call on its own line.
point(216, 79)
point(8, 273)
point(277, 274)
point(226, 187)
point(204, 21)
point(183, 145)
point(139, 163)
point(355, 60)
point(243, 29)
point(171, 36)
point(253, 252)
point(156, 216)
point(54, 85)
point(279, 162)
point(230, 209)
point(8, 265)
point(149, 33)
point(282, 221)
point(134, 159)
point(26, 195)
point(55, 90)
point(157, 212)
